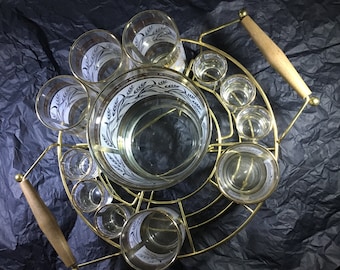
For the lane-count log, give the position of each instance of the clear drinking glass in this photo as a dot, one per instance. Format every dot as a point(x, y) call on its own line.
point(62, 104)
point(111, 218)
point(96, 58)
point(151, 38)
point(210, 68)
point(254, 122)
point(77, 164)
point(88, 195)
point(237, 91)
point(152, 239)
point(247, 173)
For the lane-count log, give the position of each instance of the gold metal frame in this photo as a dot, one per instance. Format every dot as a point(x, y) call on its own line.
point(142, 200)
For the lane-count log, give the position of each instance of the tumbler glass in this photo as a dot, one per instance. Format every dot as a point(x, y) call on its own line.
point(111, 218)
point(88, 195)
point(247, 173)
point(237, 91)
point(152, 238)
point(151, 38)
point(96, 58)
point(210, 68)
point(254, 122)
point(62, 104)
point(77, 164)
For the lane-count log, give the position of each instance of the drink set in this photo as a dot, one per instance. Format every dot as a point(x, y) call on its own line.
point(168, 144)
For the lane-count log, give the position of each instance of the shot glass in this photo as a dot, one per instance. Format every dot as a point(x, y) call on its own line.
point(62, 104)
point(237, 91)
point(88, 195)
point(247, 173)
point(210, 68)
point(110, 219)
point(254, 122)
point(78, 164)
point(151, 38)
point(96, 58)
point(152, 238)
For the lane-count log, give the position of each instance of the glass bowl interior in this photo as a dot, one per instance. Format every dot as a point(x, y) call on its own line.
point(149, 129)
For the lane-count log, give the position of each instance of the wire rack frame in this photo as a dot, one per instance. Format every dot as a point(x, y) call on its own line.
point(143, 200)
point(221, 141)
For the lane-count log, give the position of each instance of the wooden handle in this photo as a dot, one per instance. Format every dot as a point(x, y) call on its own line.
point(275, 56)
point(47, 222)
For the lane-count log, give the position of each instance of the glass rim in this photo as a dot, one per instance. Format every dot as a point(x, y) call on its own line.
point(221, 57)
point(150, 211)
point(121, 207)
point(136, 16)
point(101, 190)
point(254, 107)
point(40, 95)
point(260, 195)
point(113, 38)
point(226, 81)
point(83, 150)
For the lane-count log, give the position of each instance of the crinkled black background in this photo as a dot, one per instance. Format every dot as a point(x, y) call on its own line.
point(297, 227)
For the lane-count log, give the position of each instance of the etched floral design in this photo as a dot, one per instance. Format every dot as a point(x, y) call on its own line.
point(120, 105)
point(63, 102)
point(120, 167)
point(123, 101)
point(95, 58)
point(152, 34)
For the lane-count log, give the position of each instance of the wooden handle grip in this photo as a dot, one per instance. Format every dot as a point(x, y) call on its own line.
point(47, 223)
point(275, 57)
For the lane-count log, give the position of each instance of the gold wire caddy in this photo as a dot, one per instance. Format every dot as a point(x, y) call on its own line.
point(195, 216)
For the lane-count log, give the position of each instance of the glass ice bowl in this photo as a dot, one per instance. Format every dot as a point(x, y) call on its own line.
point(149, 128)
